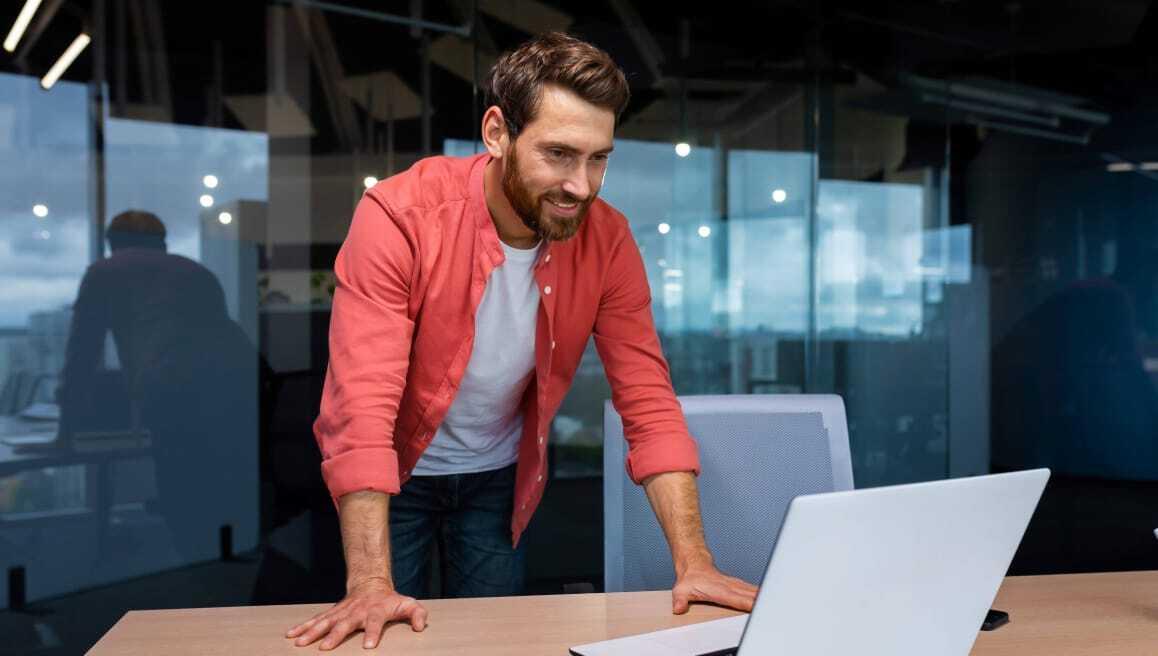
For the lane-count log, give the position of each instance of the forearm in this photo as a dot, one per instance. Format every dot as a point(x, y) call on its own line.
point(675, 500)
point(86, 338)
point(365, 524)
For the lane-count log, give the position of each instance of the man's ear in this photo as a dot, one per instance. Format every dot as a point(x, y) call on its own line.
point(495, 136)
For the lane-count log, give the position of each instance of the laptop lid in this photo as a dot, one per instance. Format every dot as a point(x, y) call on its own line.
point(907, 569)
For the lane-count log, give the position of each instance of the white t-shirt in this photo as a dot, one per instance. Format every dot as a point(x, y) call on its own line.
point(483, 426)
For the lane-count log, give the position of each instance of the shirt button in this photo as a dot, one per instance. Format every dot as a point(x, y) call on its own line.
point(548, 258)
point(540, 439)
point(552, 344)
point(524, 506)
point(547, 290)
point(540, 478)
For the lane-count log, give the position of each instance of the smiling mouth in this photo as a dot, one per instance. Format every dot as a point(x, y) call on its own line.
point(563, 206)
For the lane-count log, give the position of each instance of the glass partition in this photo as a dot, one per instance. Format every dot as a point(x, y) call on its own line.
point(942, 213)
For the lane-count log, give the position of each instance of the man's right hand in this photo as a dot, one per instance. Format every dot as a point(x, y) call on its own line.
point(369, 606)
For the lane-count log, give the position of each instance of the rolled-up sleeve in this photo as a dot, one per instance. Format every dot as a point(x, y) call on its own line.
point(641, 390)
point(370, 338)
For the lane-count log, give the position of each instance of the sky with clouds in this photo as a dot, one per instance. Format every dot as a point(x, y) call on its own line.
point(869, 232)
point(45, 157)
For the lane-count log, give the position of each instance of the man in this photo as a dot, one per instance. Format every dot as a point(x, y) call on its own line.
point(467, 291)
point(185, 366)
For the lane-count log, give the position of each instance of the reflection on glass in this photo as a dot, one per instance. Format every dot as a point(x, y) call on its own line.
point(875, 326)
point(182, 390)
point(731, 296)
point(868, 259)
point(43, 242)
point(153, 435)
point(1074, 390)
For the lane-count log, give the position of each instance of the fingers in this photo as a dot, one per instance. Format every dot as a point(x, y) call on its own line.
point(738, 594)
point(297, 630)
point(418, 618)
point(314, 633)
point(715, 588)
point(748, 591)
point(735, 596)
point(301, 628)
point(683, 596)
point(741, 583)
point(679, 603)
point(375, 622)
point(370, 615)
point(337, 634)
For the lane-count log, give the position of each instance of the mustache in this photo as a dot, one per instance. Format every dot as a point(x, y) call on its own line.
point(566, 198)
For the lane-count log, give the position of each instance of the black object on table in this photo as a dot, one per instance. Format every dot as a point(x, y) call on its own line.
point(995, 619)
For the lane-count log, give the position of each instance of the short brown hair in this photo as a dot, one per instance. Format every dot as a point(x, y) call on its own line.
point(137, 222)
point(516, 81)
point(135, 229)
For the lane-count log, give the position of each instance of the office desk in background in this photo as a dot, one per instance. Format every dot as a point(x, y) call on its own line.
point(1081, 614)
point(81, 493)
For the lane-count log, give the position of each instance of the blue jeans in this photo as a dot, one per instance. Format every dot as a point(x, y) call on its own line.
point(470, 516)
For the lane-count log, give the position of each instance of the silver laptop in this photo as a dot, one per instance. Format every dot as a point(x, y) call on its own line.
point(907, 569)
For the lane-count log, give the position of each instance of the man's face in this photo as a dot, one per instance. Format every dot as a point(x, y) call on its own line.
point(554, 169)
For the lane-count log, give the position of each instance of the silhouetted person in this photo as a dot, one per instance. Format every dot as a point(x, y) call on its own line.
point(1137, 274)
point(184, 365)
point(1071, 393)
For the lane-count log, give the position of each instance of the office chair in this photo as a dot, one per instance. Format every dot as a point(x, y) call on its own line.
point(757, 452)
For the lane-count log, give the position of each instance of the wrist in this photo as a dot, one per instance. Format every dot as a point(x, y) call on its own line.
point(694, 559)
point(380, 582)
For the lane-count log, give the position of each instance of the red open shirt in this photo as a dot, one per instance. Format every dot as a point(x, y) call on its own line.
point(410, 277)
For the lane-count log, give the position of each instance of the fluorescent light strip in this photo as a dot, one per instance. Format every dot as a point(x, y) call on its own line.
point(21, 24)
point(78, 45)
point(1145, 168)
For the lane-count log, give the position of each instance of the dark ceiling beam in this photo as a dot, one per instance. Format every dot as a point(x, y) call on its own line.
point(160, 51)
point(464, 10)
point(1146, 36)
point(647, 45)
point(974, 42)
point(47, 11)
point(759, 108)
point(461, 30)
point(144, 58)
point(323, 52)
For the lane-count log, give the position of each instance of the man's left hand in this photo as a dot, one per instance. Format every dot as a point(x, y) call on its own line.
point(705, 583)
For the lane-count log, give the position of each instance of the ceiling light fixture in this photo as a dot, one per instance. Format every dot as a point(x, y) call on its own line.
point(21, 24)
point(78, 45)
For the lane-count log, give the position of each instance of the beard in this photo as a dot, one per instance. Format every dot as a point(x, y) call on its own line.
point(533, 211)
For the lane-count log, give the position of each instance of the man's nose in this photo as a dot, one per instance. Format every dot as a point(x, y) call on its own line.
point(577, 185)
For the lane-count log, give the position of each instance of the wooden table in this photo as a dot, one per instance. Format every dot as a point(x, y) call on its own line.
point(1104, 614)
point(1076, 614)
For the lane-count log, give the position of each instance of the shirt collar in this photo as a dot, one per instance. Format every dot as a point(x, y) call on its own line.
point(482, 215)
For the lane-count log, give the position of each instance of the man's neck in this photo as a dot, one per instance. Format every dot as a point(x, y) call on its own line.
point(511, 229)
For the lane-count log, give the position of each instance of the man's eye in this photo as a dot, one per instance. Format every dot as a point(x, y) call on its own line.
point(556, 153)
